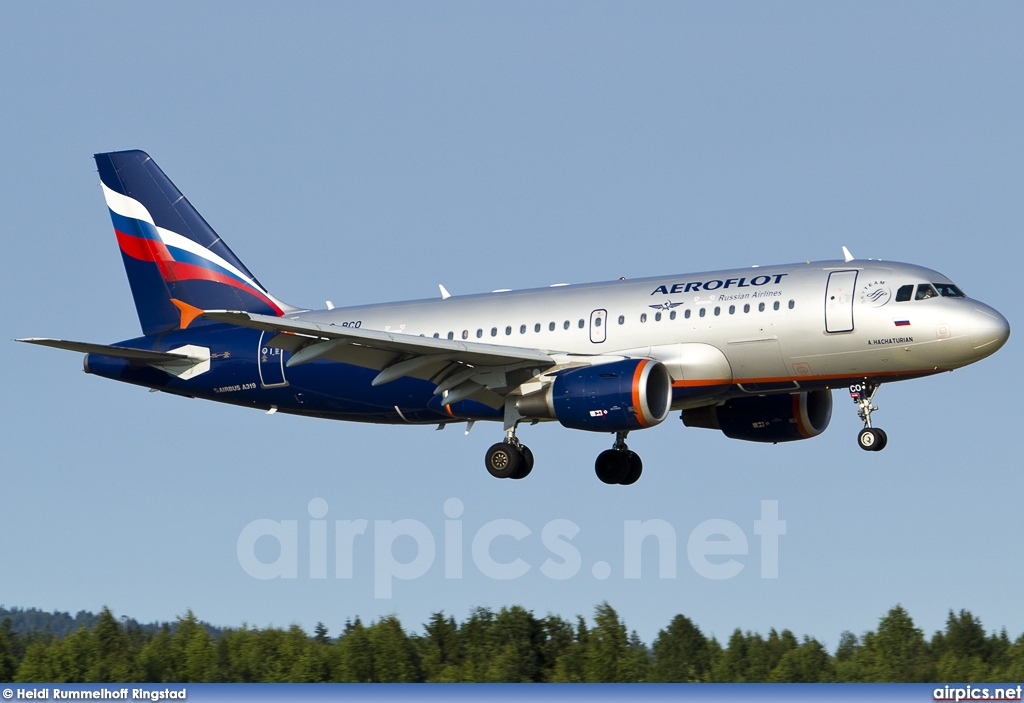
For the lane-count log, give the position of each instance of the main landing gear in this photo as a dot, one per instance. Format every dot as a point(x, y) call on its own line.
point(513, 459)
point(619, 465)
point(509, 459)
point(870, 439)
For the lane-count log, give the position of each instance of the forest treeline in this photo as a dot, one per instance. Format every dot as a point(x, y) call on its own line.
point(510, 645)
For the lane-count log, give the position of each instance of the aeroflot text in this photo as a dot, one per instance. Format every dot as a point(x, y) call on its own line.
point(710, 547)
point(715, 284)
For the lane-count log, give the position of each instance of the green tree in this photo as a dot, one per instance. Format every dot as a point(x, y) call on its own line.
point(439, 649)
point(352, 658)
point(394, 657)
point(8, 664)
point(681, 652)
point(848, 665)
point(896, 652)
point(571, 661)
point(607, 647)
point(636, 667)
point(37, 666)
point(558, 637)
point(807, 663)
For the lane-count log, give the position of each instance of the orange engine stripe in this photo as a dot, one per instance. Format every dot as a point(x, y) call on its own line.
point(636, 393)
point(804, 431)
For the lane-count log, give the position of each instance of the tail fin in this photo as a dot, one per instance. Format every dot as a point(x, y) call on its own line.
point(174, 260)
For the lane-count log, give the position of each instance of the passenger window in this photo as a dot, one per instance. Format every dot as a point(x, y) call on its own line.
point(437, 335)
point(904, 293)
point(583, 323)
point(536, 327)
point(465, 334)
point(732, 309)
point(451, 335)
point(597, 322)
point(776, 306)
point(643, 317)
point(479, 334)
point(792, 304)
point(746, 307)
point(925, 291)
point(718, 311)
point(551, 327)
point(687, 314)
point(760, 307)
point(565, 325)
point(508, 331)
point(702, 312)
point(657, 317)
point(494, 331)
point(622, 319)
point(522, 329)
point(672, 315)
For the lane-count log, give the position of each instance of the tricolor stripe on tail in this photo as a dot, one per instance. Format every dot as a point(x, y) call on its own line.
point(169, 251)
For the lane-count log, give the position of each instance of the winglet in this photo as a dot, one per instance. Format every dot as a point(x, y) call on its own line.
point(847, 256)
point(444, 292)
point(188, 312)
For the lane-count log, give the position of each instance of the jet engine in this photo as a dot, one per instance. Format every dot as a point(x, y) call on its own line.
point(613, 397)
point(770, 418)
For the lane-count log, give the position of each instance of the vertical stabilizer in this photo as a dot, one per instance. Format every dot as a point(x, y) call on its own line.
point(171, 255)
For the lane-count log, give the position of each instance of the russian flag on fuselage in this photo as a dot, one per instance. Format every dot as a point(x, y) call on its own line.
point(169, 250)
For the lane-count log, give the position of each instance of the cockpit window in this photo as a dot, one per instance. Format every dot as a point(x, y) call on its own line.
point(948, 290)
point(925, 291)
point(904, 293)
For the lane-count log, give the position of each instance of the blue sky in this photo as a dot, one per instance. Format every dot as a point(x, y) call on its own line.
point(367, 152)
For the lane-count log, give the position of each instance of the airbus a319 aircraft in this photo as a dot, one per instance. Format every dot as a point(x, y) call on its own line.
point(752, 352)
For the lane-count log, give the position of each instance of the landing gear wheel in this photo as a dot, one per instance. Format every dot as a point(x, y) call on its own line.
point(636, 467)
point(872, 439)
point(527, 464)
point(503, 459)
point(612, 466)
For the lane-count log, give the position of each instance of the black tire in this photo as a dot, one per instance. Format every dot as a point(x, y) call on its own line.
point(883, 439)
point(636, 467)
point(502, 460)
point(526, 466)
point(870, 439)
point(612, 466)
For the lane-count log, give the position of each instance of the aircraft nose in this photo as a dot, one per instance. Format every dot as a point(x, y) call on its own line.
point(989, 329)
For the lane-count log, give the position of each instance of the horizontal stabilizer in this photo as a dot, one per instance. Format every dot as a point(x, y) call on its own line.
point(142, 356)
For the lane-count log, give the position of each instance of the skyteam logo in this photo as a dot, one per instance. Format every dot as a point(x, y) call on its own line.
point(876, 294)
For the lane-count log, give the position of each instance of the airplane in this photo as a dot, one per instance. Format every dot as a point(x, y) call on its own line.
point(752, 352)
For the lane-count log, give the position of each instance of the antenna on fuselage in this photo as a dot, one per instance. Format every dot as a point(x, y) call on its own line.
point(847, 256)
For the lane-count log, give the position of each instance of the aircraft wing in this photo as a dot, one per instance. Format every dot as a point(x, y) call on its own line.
point(460, 369)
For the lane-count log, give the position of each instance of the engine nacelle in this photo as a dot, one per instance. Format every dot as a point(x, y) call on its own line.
point(614, 397)
point(770, 418)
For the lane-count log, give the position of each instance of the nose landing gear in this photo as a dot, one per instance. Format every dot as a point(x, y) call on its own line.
point(870, 439)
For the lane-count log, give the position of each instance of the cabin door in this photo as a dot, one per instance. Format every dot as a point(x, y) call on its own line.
point(839, 301)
